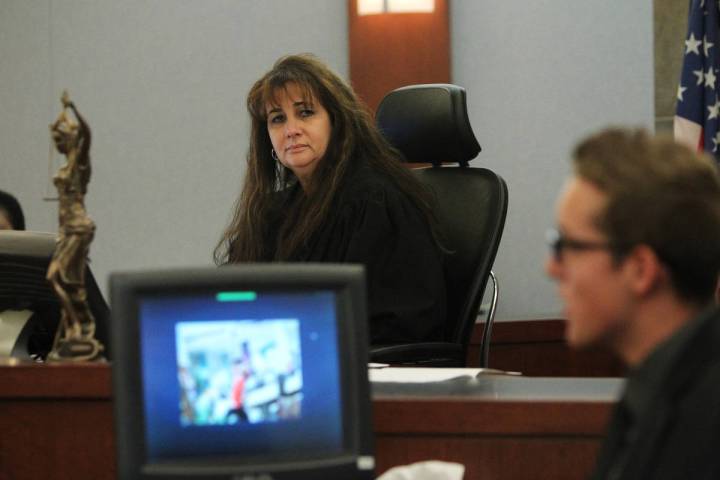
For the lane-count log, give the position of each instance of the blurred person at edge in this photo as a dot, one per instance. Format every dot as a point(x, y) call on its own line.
point(635, 256)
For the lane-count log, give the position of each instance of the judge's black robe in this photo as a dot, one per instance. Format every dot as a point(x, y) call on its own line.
point(373, 223)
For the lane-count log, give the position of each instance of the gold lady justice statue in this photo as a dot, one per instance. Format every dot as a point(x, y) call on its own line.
point(75, 338)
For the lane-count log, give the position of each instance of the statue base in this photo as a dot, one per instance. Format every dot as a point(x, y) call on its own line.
point(76, 350)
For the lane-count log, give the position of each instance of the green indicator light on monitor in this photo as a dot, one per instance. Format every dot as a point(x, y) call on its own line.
point(236, 296)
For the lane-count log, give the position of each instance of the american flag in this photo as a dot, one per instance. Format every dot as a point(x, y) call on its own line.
point(697, 119)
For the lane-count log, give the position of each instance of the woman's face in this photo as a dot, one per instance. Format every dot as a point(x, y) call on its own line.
point(5, 223)
point(299, 131)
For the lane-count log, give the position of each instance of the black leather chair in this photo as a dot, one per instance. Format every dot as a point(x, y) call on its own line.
point(429, 124)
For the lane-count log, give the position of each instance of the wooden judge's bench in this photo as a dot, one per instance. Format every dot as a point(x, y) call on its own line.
point(56, 421)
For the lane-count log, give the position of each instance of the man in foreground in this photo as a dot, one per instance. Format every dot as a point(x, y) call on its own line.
point(636, 256)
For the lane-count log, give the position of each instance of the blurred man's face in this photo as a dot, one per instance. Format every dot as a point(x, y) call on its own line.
point(592, 286)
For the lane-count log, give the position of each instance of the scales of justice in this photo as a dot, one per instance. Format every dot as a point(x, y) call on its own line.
point(75, 338)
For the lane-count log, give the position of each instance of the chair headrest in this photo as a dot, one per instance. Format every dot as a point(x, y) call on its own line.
point(428, 123)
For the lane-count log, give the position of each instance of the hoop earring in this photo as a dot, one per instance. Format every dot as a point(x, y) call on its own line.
point(274, 155)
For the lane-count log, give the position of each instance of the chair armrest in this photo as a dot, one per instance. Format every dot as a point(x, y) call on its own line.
point(430, 354)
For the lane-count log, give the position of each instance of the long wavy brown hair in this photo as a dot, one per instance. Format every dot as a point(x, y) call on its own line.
point(354, 138)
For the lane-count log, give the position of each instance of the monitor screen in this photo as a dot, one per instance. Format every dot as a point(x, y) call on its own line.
point(29, 308)
point(254, 370)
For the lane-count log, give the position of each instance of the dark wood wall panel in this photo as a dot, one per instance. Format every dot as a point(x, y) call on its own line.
point(65, 438)
point(519, 458)
point(493, 439)
point(537, 348)
point(56, 422)
point(392, 50)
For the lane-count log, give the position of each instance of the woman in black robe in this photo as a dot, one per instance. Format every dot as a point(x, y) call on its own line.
point(323, 185)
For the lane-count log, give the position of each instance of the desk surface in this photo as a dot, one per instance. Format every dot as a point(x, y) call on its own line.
point(498, 426)
point(467, 383)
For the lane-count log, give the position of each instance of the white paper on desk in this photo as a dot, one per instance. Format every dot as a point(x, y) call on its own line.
point(430, 470)
point(419, 375)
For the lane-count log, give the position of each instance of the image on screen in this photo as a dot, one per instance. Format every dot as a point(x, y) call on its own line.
point(234, 372)
point(240, 373)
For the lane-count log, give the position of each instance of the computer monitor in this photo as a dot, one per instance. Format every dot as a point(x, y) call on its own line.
point(29, 309)
point(254, 371)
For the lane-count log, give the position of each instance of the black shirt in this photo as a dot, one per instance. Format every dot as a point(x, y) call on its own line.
point(667, 423)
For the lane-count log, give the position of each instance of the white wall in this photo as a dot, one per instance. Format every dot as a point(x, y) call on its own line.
point(540, 75)
point(162, 83)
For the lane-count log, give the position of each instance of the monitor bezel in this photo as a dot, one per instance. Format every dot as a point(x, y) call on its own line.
point(348, 281)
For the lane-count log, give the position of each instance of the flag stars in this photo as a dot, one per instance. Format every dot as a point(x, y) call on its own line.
point(706, 45)
point(692, 44)
point(714, 109)
point(710, 78)
point(716, 141)
point(698, 92)
point(700, 76)
point(680, 92)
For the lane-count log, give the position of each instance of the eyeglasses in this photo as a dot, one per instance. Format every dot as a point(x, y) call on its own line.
point(557, 243)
